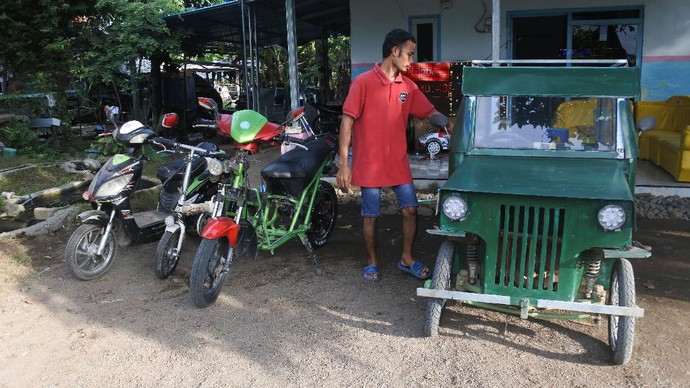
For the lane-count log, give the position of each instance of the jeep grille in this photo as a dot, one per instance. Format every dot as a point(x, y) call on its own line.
point(529, 247)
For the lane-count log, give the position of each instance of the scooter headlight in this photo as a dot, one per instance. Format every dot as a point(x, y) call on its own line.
point(114, 186)
point(611, 217)
point(454, 207)
point(215, 167)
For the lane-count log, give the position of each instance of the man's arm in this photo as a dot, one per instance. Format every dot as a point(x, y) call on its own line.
point(344, 140)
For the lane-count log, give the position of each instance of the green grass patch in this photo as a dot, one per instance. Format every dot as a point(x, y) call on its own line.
point(31, 180)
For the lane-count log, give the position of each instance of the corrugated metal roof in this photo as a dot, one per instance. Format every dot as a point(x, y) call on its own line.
point(219, 27)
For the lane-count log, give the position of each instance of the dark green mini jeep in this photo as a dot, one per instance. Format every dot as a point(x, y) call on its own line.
point(538, 207)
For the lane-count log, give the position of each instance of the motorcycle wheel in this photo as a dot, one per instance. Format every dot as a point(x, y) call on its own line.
point(80, 254)
point(323, 216)
point(166, 257)
point(208, 273)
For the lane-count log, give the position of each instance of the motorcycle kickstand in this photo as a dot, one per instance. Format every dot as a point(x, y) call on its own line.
point(310, 252)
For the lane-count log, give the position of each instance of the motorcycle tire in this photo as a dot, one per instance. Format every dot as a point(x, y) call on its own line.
point(166, 259)
point(323, 215)
point(208, 273)
point(80, 259)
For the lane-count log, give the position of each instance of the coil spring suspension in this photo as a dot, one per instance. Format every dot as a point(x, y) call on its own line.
point(473, 261)
point(593, 267)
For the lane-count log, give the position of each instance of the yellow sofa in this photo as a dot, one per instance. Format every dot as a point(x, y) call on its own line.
point(668, 144)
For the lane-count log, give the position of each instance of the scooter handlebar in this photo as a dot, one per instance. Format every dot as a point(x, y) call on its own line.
point(165, 142)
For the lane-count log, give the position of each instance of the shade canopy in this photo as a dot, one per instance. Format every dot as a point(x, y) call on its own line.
point(218, 28)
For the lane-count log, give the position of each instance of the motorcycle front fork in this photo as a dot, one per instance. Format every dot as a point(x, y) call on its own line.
point(106, 233)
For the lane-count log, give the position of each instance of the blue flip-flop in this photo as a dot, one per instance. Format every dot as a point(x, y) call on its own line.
point(371, 273)
point(415, 269)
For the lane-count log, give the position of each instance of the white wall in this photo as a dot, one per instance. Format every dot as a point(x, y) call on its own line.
point(666, 22)
point(666, 30)
point(665, 58)
point(371, 20)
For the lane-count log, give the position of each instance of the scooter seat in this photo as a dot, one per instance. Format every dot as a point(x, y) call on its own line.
point(293, 170)
point(298, 162)
point(174, 170)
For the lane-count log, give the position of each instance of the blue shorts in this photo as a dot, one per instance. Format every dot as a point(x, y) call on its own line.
point(371, 199)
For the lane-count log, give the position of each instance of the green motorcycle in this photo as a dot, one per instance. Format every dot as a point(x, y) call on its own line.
point(292, 200)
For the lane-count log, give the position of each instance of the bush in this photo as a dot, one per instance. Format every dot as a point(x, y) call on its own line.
point(19, 135)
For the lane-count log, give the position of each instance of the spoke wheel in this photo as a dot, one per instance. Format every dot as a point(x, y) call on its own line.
point(621, 328)
point(209, 271)
point(440, 281)
point(433, 147)
point(323, 215)
point(167, 256)
point(81, 258)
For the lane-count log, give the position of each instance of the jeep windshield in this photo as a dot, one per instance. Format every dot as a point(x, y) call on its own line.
point(545, 123)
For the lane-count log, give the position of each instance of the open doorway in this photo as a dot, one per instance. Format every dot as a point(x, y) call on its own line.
point(539, 37)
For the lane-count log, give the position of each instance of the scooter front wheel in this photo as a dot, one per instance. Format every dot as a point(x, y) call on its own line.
point(81, 257)
point(209, 271)
point(167, 256)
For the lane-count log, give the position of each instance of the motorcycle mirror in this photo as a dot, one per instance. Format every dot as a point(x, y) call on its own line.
point(439, 121)
point(207, 103)
point(169, 120)
point(646, 124)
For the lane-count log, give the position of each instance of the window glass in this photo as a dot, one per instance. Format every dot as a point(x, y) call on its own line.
point(602, 15)
point(612, 41)
point(545, 123)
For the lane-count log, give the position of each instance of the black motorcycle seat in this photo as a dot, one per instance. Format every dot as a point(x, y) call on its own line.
point(174, 169)
point(299, 163)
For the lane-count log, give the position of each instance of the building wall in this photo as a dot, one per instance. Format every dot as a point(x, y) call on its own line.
point(665, 64)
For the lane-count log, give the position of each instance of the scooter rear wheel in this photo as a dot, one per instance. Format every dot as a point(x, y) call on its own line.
point(208, 271)
point(81, 258)
point(166, 255)
point(323, 216)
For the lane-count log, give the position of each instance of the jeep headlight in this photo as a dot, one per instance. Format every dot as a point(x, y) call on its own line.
point(454, 207)
point(611, 217)
point(113, 187)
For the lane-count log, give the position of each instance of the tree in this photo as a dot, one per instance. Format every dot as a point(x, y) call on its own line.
point(123, 34)
point(37, 38)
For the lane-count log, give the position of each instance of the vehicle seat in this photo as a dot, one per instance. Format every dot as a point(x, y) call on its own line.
point(292, 171)
point(575, 113)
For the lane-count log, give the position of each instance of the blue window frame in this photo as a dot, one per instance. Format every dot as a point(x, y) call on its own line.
point(592, 33)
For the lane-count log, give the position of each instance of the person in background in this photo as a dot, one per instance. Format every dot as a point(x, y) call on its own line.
point(375, 116)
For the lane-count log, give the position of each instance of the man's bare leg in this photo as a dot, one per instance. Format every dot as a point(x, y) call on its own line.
point(369, 235)
point(409, 232)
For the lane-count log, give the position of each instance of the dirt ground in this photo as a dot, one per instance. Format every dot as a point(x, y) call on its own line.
point(278, 324)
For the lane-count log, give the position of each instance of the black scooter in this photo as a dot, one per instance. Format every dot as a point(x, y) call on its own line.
point(92, 247)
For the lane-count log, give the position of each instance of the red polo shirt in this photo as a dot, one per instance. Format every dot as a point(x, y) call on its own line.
point(381, 109)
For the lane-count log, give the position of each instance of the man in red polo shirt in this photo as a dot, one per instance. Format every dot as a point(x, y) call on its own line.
point(375, 116)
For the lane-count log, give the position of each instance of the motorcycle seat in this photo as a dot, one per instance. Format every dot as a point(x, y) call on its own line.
point(174, 170)
point(295, 168)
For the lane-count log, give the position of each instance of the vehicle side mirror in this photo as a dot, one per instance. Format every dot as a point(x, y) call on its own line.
point(646, 124)
point(439, 121)
point(207, 103)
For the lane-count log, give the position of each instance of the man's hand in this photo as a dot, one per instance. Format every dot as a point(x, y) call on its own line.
point(343, 177)
point(344, 139)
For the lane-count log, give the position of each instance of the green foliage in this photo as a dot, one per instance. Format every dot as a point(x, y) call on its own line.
point(274, 70)
point(106, 145)
point(19, 135)
point(123, 32)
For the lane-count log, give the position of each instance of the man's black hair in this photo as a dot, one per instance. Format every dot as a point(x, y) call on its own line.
point(395, 38)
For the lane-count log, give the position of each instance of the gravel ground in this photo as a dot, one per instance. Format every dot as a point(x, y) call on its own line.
point(278, 324)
